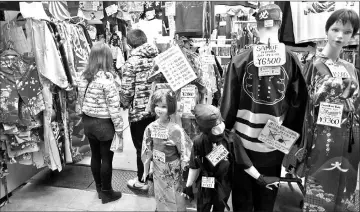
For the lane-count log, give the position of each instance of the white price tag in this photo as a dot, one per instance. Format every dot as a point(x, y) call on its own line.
point(188, 91)
point(160, 133)
point(187, 105)
point(338, 71)
point(273, 56)
point(218, 154)
point(158, 155)
point(111, 9)
point(268, 23)
point(269, 71)
point(222, 23)
point(208, 59)
point(330, 114)
point(208, 182)
point(278, 136)
point(170, 9)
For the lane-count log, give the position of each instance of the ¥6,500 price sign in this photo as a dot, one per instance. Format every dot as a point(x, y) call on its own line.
point(269, 56)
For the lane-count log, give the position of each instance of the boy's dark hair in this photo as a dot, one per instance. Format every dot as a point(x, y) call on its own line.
point(166, 94)
point(136, 38)
point(344, 15)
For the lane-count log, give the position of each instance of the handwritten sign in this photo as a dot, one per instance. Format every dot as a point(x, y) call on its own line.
point(158, 155)
point(208, 182)
point(277, 136)
point(175, 68)
point(273, 56)
point(337, 70)
point(269, 71)
point(170, 8)
point(330, 114)
point(159, 132)
point(188, 91)
point(218, 154)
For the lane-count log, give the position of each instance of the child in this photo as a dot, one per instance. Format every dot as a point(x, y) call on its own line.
point(166, 144)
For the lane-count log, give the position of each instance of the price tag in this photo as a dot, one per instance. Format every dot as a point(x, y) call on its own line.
point(208, 59)
point(273, 56)
point(269, 71)
point(158, 155)
point(218, 154)
point(222, 23)
point(170, 9)
point(160, 133)
point(188, 91)
point(208, 182)
point(278, 136)
point(338, 71)
point(111, 9)
point(330, 114)
point(268, 23)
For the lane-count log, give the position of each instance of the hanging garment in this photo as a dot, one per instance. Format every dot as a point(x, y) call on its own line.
point(59, 9)
point(48, 59)
point(168, 172)
point(189, 17)
point(81, 50)
point(334, 158)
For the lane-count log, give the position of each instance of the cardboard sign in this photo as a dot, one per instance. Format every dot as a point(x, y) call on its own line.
point(273, 56)
point(218, 154)
point(159, 156)
point(337, 70)
point(330, 114)
point(269, 71)
point(208, 59)
point(170, 9)
point(277, 136)
point(159, 132)
point(208, 182)
point(175, 68)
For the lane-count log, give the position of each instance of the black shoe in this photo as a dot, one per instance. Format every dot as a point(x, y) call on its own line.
point(110, 196)
point(98, 189)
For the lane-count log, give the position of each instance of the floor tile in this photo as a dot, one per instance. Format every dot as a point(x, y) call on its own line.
point(135, 203)
point(84, 200)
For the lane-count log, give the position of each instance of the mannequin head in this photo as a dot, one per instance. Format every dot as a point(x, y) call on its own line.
point(269, 19)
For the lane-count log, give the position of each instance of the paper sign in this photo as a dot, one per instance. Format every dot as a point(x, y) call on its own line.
point(268, 23)
point(111, 9)
point(170, 8)
point(277, 136)
point(159, 132)
point(273, 56)
point(338, 71)
point(175, 68)
point(208, 59)
point(330, 114)
point(158, 155)
point(208, 182)
point(222, 23)
point(218, 154)
point(171, 22)
point(188, 91)
point(269, 71)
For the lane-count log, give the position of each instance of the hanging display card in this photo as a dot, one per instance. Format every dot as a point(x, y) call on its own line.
point(218, 154)
point(208, 182)
point(330, 114)
point(170, 8)
point(187, 99)
point(159, 132)
point(175, 68)
point(208, 59)
point(278, 136)
point(112, 9)
point(158, 155)
point(273, 56)
point(337, 70)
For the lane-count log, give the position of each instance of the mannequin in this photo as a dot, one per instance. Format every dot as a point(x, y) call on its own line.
point(252, 96)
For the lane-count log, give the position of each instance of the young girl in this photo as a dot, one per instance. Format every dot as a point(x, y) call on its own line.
point(166, 144)
point(334, 88)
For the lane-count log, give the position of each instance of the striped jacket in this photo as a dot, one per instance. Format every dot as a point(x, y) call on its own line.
point(102, 99)
point(249, 101)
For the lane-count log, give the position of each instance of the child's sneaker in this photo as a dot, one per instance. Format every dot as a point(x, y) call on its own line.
point(135, 184)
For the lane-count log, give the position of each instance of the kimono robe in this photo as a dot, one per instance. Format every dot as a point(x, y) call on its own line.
point(334, 158)
point(167, 176)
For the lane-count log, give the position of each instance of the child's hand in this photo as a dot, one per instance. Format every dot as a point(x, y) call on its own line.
point(170, 143)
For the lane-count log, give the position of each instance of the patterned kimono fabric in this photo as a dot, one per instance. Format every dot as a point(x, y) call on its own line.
point(333, 161)
point(168, 182)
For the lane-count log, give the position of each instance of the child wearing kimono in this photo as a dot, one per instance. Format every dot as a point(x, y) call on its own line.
point(167, 145)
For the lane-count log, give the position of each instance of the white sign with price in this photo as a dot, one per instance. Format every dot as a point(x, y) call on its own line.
point(269, 71)
point(158, 155)
point(170, 9)
point(208, 182)
point(330, 114)
point(188, 91)
point(273, 56)
point(278, 136)
point(159, 132)
point(218, 154)
point(337, 70)
point(175, 68)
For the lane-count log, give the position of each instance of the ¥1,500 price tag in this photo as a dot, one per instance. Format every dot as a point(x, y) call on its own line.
point(218, 154)
point(158, 155)
point(330, 114)
point(208, 182)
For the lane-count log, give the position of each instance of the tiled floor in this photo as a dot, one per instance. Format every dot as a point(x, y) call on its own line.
point(33, 197)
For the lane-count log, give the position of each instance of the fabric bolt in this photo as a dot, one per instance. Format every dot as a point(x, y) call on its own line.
point(135, 89)
point(334, 158)
point(168, 182)
point(47, 56)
